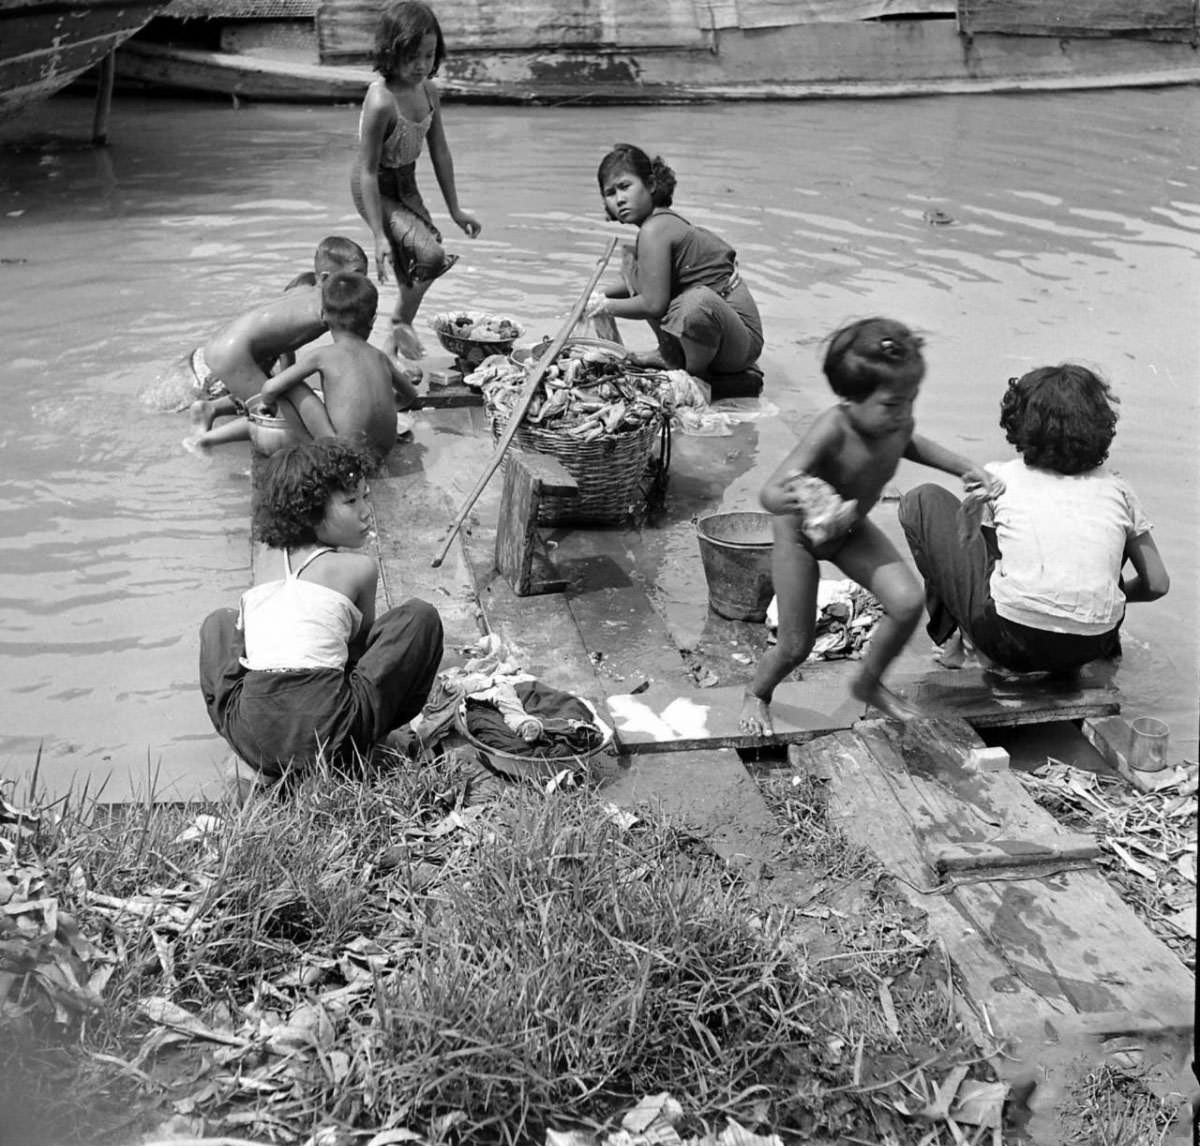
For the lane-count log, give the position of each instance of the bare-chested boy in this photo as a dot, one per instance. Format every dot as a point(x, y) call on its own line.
point(875, 367)
point(235, 362)
point(362, 387)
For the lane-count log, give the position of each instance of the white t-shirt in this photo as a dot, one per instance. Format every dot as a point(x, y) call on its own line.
point(1062, 545)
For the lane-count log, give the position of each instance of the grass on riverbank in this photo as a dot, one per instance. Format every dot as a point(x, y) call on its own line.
point(402, 953)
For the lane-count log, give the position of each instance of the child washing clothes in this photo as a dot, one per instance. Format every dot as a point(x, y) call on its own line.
point(1035, 579)
point(304, 668)
point(218, 377)
point(361, 386)
point(681, 279)
point(400, 112)
point(875, 367)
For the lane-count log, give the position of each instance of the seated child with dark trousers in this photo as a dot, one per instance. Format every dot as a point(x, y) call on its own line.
point(220, 376)
point(304, 669)
point(1036, 579)
point(360, 384)
point(875, 367)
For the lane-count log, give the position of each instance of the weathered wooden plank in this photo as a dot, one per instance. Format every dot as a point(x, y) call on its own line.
point(1111, 737)
point(520, 555)
point(987, 702)
point(998, 854)
point(870, 807)
point(448, 397)
point(410, 518)
point(1148, 18)
point(1071, 936)
point(669, 718)
point(950, 805)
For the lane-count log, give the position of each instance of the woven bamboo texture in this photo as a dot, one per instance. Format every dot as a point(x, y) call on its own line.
point(610, 471)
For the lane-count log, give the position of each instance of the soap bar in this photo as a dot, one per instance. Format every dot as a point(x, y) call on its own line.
point(987, 759)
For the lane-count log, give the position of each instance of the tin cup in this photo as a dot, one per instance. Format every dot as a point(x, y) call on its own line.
point(1148, 744)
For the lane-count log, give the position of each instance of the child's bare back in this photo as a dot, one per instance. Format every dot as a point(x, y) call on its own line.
point(243, 353)
point(356, 381)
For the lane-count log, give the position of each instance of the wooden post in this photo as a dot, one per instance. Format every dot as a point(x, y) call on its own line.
point(104, 93)
point(519, 553)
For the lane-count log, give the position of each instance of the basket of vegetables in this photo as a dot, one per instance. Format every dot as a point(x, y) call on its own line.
point(604, 421)
point(472, 336)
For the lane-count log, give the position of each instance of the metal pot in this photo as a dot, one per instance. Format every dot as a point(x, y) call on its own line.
point(268, 432)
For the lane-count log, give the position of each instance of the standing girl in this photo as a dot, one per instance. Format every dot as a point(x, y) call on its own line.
point(304, 668)
point(400, 112)
point(681, 279)
point(1036, 579)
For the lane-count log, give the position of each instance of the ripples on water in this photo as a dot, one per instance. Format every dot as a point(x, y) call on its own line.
point(1075, 233)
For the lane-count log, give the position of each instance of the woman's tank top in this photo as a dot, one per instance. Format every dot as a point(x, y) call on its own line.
point(402, 145)
point(700, 258)
point(294, 624)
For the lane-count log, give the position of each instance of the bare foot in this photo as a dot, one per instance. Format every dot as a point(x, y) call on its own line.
point(872, 691)
point(952, 654)
point(196, 445)
point(755, 717)
point(203, 413)
point(406, 342)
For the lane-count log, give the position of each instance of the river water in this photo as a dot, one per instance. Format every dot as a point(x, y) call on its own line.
point(1074, 233)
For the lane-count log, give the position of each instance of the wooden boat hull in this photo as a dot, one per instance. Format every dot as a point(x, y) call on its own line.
point(46, 44)
point(285, 79)
point(656, 56)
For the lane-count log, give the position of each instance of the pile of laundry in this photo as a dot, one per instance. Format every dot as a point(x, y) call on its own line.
point(493, 700)
point(846, 616)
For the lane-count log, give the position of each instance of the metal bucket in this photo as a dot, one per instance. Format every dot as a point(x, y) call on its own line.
point(268, 432)
point(736, 551)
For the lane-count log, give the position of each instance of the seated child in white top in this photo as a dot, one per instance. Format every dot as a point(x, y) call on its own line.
point(305, 668)
point(1035, 580)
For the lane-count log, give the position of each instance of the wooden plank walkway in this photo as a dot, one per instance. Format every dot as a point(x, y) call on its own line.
point(1051, 960)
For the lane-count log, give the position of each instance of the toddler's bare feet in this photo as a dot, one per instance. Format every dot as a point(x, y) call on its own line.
point(406, 342)
point(872, 691)
point(755, 717)
point(203, 413)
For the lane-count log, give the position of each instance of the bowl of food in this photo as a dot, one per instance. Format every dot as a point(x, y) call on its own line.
point(472, 336)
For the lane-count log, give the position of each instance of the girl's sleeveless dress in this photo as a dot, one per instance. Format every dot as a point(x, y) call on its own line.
point(711, 305)
point(417, 251)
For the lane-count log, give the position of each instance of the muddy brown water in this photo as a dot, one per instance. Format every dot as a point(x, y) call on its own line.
point(1073, 232)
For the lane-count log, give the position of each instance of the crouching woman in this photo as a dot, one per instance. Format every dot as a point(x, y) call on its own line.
point(303, 668)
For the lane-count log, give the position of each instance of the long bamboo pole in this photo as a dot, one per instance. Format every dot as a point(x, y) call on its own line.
point(525, 397)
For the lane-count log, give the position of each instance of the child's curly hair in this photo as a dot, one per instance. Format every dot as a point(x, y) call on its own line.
point(872, 352)
point(401, 28)
point(296, 485)
point(654, 173)
point(1060, 418)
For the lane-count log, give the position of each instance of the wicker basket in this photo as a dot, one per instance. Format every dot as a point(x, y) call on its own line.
point(617, 473)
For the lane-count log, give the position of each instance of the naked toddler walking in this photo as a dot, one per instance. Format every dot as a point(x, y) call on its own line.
point(875, 367)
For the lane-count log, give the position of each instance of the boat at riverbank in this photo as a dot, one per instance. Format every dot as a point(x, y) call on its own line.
point(47, 44)
point(681, 51)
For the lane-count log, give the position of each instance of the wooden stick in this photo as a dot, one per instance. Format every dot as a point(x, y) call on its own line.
point(525, 397)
